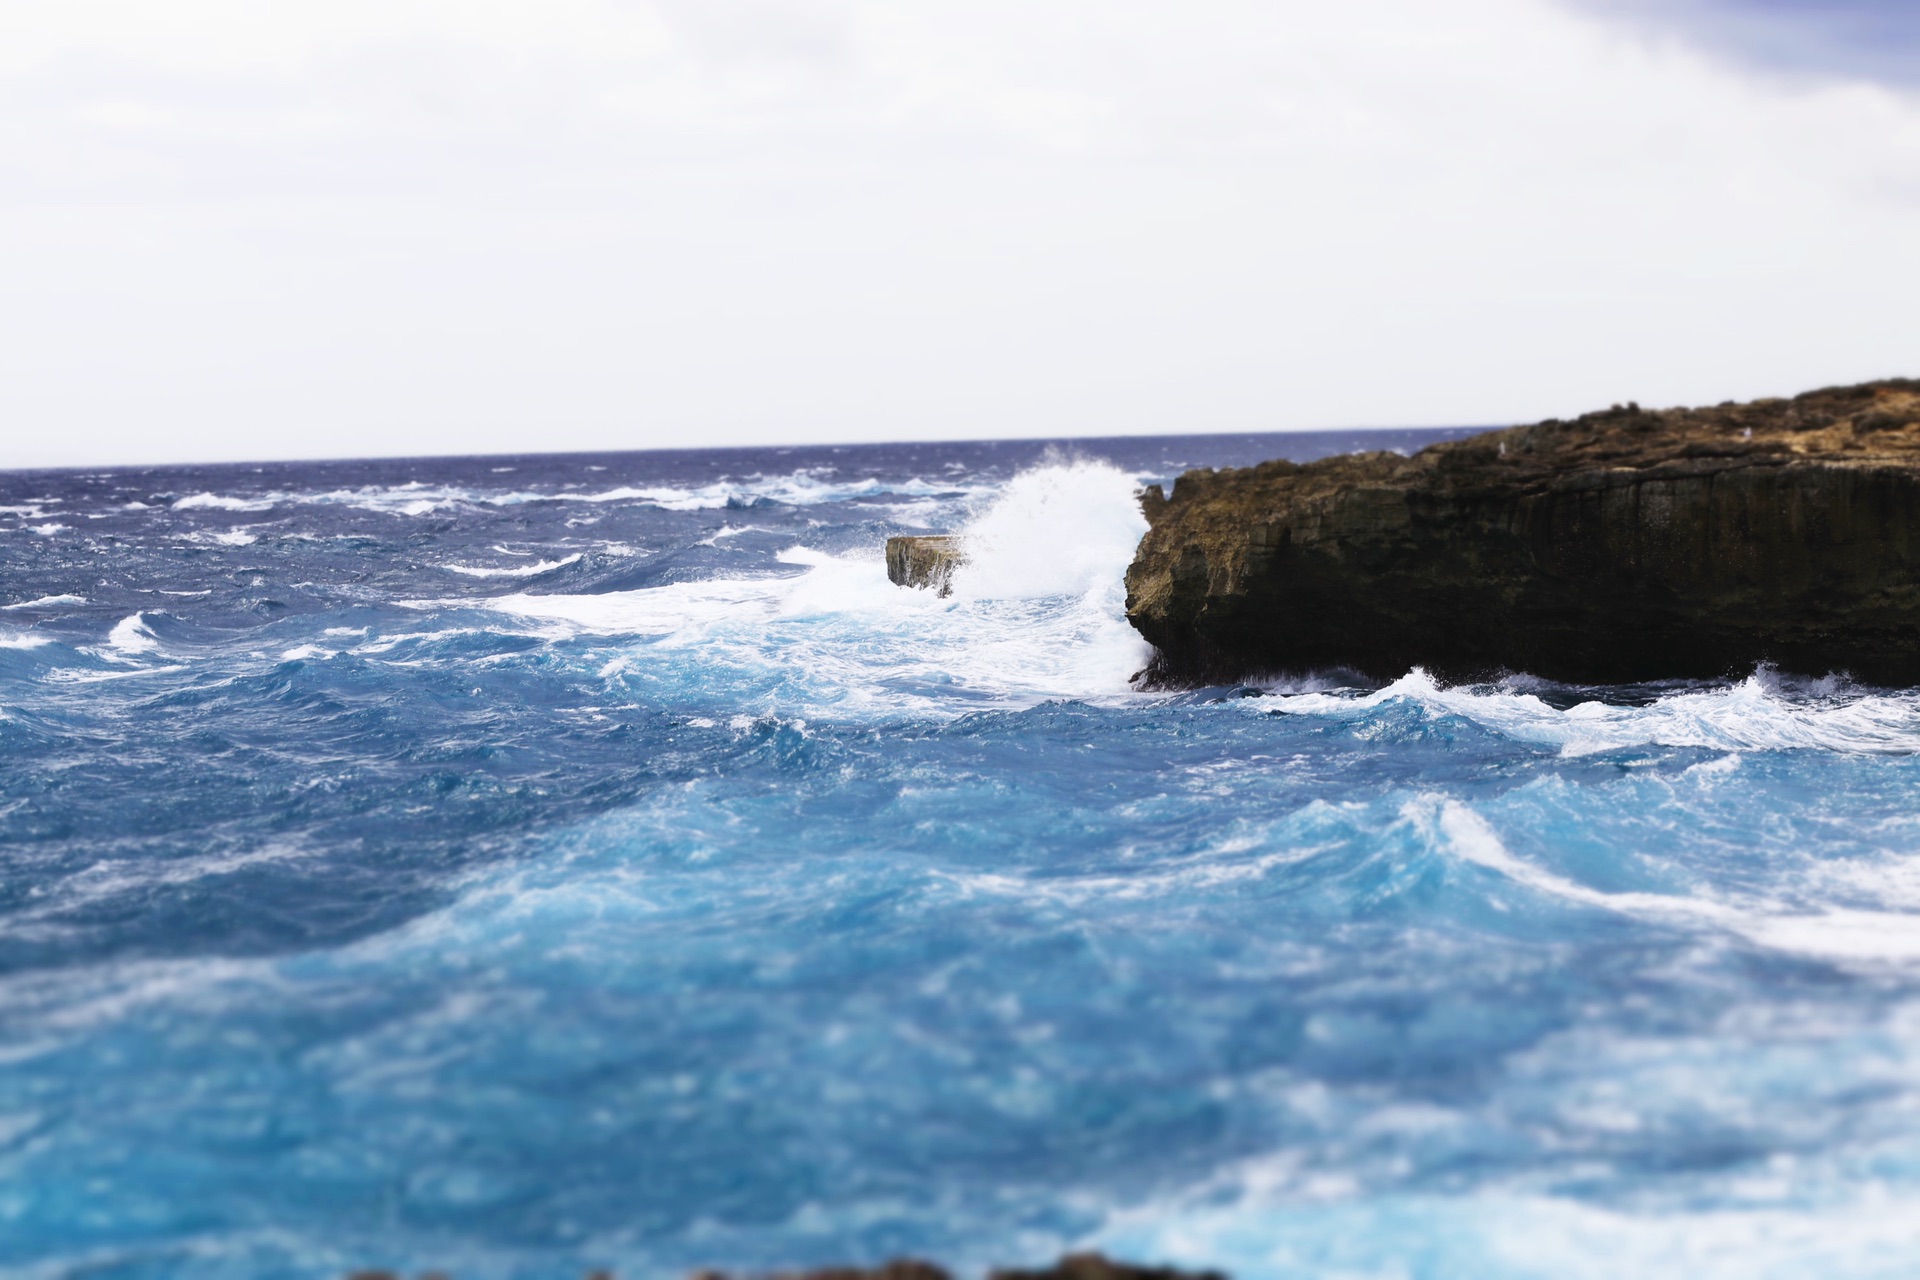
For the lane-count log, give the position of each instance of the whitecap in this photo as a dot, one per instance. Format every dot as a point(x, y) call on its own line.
point(1272, 1217)
point(218, 537)
point(69, 675)
point(48, 602)
point(1828, 932)
point(1757, 714)
point(512, 571)
point(221, 502)
point(797, 489)
point(132, 635)
point(727, 531)
point(1037, 612)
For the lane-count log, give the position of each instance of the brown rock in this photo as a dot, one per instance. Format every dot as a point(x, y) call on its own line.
point(1094, 1266)
point(1623, 546)
point(898, 1269)
point(925, 561)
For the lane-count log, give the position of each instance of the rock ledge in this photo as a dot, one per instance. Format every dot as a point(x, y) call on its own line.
point(1623, 546)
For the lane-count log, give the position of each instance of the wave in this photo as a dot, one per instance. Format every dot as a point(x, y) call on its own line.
point(798, 488)
point(21, 640)
point(412, 499)
point(220, 502)
point(1069, 529)
point(1037, 612)
point(1835, 933)
point(1276, 1222)
point(1760, 713)
point(132, 635)
point(48, 602)
point(512, 571)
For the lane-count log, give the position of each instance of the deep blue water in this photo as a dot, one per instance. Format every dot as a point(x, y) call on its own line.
point(519, 865)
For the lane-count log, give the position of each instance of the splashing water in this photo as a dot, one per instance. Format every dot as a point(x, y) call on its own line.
point(1037, 611)
point(1068, 529)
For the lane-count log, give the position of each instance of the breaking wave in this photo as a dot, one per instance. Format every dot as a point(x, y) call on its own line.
point(1037, 611)
point(1760, 713)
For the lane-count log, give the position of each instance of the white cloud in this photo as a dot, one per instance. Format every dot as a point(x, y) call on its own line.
point(242, 229)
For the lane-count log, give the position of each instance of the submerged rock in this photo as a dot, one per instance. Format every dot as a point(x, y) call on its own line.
point(1623, 546)
point(925, 561)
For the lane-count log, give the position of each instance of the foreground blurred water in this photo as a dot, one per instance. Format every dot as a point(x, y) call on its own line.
point(516, 865)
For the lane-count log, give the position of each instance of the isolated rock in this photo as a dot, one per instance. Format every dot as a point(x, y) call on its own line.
point(924, 561)
point(1623, 546)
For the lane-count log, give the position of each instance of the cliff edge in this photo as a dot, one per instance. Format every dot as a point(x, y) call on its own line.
point(1623, 546)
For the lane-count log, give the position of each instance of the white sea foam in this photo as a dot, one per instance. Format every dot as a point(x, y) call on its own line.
point(1310, 1228)
point(220, 502)
point(799, 488)
point(724, 532)
point(512, 571)
point(1061, 530)
point(48, 602)
point(218, 537)
point(131, 635)
point(1827, 931)
point(1036, 612)
point(47, 530)
point(75, 675)
point(1754, 715)
point(23, 640)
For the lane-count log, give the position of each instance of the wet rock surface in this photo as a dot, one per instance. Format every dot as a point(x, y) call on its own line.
point(924, 561)
point(1623, 546)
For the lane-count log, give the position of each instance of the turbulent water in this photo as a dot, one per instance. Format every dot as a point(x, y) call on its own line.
point(513, 866)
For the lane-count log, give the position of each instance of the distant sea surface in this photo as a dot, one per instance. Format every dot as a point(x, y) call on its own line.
point(519, 865)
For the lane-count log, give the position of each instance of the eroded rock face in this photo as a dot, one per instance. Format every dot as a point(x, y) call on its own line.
point(924, 561)
point(1623, 546)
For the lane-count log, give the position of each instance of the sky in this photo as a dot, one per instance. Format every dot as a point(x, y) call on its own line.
point(232, 229)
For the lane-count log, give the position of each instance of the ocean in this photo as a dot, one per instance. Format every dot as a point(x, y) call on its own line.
point(515, 866)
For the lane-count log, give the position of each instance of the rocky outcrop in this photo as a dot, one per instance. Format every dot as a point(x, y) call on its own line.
point(925, 561)
point(1075, 1266)
point(1624, 546)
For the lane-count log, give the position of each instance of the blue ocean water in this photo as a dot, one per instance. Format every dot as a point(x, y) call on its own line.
point(519, 865)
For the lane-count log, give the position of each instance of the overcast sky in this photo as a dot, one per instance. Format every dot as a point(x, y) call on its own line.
point(241, 229)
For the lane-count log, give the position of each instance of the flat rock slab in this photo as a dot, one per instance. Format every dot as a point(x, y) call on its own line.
point(1623, 546)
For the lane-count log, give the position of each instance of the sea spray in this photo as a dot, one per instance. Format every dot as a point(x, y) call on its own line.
point(1037, 611)
point(1066, 529)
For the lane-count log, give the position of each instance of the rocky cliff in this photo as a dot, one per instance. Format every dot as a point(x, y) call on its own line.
point(1622, 546)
